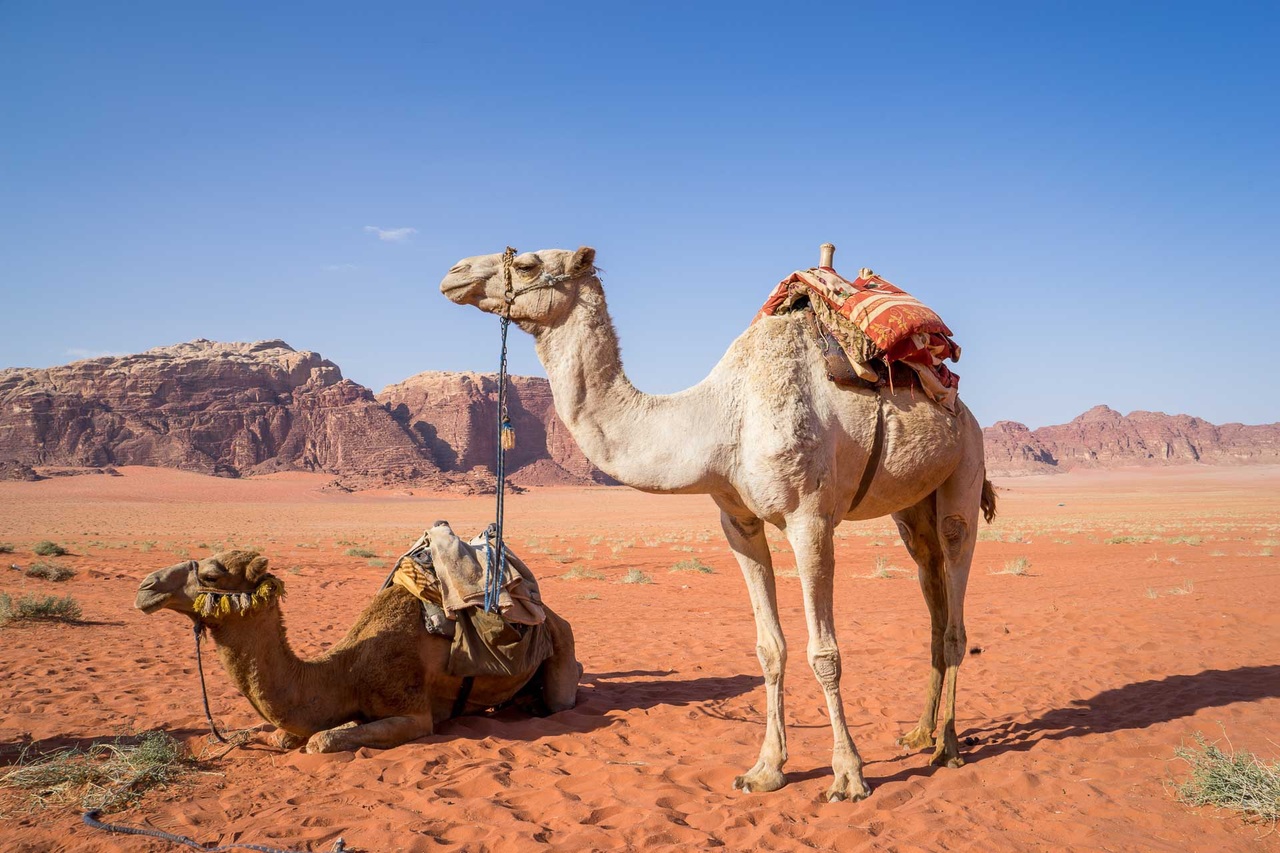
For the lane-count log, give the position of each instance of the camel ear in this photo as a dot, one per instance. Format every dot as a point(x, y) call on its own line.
point(584, 260)
point(256, 569)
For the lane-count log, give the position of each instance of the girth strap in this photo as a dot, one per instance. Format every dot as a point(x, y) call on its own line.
point(873, 459)
point(464, 693)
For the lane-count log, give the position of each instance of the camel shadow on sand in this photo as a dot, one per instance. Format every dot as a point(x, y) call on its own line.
point(600, 693)
point(1139, 705)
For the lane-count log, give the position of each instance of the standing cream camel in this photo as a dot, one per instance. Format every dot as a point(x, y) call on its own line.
point(770, 439)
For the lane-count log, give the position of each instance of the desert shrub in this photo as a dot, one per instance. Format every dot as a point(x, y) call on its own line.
point(45, 548)
point(105, 774)
point(883, 569)
point(1016, 566)
point(6, 548)
point(360, 552)
point(579, 573)
point(636, 576)
point(49, 607)
point(377, 564)
point(50, 571)
point(693, 564)
point(1185, 540)
point(1239, 781)
point(1124, 540)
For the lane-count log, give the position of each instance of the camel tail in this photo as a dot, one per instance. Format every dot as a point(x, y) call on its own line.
point(988, 503)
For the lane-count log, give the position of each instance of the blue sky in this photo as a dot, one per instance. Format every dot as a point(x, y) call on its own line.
point(1088, 193)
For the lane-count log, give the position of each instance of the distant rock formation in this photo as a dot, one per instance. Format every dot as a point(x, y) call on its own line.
point(227, 409)
point(240, 409)
point(454, 417)
point(1104, 438)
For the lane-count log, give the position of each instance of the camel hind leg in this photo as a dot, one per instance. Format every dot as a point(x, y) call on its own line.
point(958, 502)
point(561, 672)
point(918, 527)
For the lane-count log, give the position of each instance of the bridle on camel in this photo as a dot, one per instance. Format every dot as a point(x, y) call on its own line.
point(91, 817)
point(495, 551)
point(243, 603)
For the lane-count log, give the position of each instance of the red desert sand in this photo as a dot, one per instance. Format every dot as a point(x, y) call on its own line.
point(1146, 610)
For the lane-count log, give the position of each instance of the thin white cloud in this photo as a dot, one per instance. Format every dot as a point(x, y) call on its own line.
point(79, 353)
point(391, 235)
point(339, 267)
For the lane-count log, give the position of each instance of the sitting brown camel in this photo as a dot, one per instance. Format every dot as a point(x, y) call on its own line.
point(387, 674)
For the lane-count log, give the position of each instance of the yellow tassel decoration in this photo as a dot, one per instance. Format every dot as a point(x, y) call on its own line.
point(508, 435)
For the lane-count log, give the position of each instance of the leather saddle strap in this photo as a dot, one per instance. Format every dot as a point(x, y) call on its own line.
point(464, 693)
point(873, 459)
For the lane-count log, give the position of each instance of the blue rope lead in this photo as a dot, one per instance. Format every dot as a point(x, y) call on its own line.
point(496, 564)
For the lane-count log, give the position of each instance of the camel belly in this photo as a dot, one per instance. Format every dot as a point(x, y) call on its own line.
point(922, 445)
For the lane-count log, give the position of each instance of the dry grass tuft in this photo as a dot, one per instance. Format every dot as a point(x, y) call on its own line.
point(104, 775)
point(1239, 781)
point(884, 570)
point(55, 572)
point(579, 573)
point(635, 576)
point(360, 552)
point(1019, 566)
point(45, 548)
point(6, 548)
point(693, 565)
point(47, 607)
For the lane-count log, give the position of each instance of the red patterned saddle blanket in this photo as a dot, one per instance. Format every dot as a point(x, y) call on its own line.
point(875, 320)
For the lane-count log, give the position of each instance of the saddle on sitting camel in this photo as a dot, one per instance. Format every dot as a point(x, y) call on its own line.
point(869, 329)
point(447, 576)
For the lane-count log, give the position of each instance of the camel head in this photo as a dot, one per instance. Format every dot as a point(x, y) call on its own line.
point(544, 284)
point(227, 584)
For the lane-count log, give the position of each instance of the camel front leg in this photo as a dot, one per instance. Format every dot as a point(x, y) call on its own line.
point(379, 734)
point(747, 540)
point(811, 537)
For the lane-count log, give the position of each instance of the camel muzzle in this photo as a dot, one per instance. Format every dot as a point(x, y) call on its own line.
point(157, 587)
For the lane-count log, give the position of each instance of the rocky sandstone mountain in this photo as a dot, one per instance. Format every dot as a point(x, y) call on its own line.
point(454, 417)
point(228, 409)
point(1104, 438)
point(239, 409)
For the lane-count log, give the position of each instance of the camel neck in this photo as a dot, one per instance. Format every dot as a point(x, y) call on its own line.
point(656, 443)
point(256, 655)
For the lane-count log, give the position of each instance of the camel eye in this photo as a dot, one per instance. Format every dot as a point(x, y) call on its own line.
point(210, 574)
point(527, 266)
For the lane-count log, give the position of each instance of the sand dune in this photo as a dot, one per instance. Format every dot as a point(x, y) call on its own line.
point(1093, 666)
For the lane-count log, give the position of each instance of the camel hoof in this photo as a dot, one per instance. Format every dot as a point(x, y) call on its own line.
point(322, 742)
point(917, 738)
point(288, 740)
point(848, 788)
point(759, 780)
point(941, 758)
